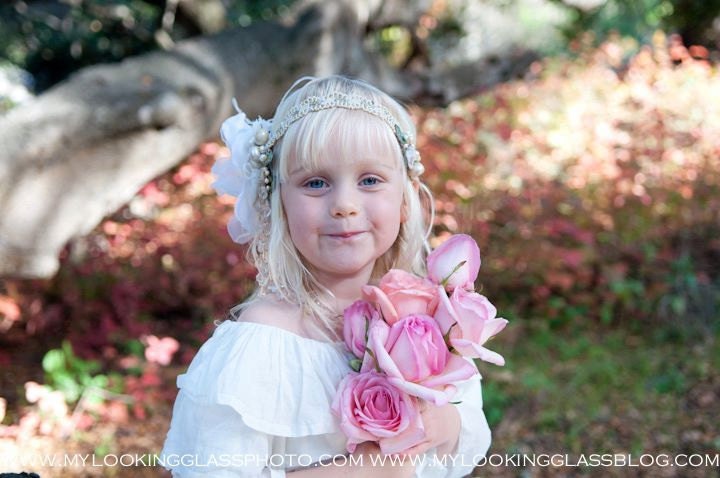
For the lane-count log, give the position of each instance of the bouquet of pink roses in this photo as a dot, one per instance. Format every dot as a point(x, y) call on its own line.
point(409, 336)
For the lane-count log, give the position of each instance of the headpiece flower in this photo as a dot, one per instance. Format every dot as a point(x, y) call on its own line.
point(239, 175)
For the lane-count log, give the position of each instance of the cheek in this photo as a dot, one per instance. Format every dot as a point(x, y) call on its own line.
point(293, 215)
point(302, 218)
point(398, 206)
point(389, 217)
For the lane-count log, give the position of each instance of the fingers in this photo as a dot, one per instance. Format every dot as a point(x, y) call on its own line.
point(418, 449)
point(367, 448)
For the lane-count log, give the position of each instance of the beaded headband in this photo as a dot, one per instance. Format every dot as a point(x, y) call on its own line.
point(247, 174)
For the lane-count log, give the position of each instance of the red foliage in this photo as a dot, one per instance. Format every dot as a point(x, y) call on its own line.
point(592, 166)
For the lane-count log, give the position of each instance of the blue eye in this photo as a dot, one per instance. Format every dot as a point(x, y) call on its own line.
point(369, 181)
point(315, 184)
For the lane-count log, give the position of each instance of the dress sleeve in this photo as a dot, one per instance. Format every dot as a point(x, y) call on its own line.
point(474, 440)
point(249, 389)
point(213, 440)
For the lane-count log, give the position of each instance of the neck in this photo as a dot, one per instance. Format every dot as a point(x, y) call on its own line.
point(346, 290)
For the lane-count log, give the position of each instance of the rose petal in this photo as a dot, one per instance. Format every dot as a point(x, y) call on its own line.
point(445, 258)
point(413, 435)
point(471, 349)
point(377, 296)
point(445, 314)
point(356, 318)
point(492, 328)
point(438, 397)
point(457, 369)
point(408, 293)
point(377, 339)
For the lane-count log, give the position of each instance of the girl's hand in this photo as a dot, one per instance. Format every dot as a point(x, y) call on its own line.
point(442, 429)
point(386, 468)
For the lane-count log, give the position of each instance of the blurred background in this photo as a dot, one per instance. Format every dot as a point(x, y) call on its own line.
point(578, 141)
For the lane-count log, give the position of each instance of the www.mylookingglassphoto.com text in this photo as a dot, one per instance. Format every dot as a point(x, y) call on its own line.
point(556, 460)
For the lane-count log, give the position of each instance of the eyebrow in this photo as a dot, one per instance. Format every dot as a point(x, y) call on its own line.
point(360, 163)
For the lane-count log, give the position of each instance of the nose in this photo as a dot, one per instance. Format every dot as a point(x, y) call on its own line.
point(343, 205)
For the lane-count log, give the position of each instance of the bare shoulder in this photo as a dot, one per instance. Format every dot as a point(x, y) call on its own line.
point(273, 312)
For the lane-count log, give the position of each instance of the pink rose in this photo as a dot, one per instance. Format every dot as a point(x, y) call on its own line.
point(401, 294)
point(413, 354)
point(470, 317)
point(444, 263)
point(356, 322)
point(372, 409)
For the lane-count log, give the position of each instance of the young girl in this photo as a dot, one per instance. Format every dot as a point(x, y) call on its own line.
point(328, 195)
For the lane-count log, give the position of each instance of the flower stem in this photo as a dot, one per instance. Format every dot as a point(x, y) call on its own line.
point(370, 352)
point(447, 278)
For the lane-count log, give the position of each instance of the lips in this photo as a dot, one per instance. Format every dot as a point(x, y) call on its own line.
point(345, 235)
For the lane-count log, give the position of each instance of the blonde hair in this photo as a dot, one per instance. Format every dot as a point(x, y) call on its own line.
point(305, 141)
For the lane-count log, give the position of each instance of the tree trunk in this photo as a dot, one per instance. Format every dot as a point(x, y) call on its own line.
point(83, 148)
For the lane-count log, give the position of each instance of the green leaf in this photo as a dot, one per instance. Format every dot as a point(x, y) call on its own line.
point(446, 338)
point(53, 361)
point(678, 305)
point(606, 313)
point(355, 364)
point(68, 386)
point(99, 381)
point(72, 362)
point(93, 397)
point(135, 347)
point(116, 382)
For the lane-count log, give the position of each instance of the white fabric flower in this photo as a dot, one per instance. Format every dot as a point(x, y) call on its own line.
point(237, 177)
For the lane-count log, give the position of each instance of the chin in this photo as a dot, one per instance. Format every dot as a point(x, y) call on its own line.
point(347, 269)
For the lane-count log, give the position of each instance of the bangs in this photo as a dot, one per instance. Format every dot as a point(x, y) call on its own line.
point(336, 134)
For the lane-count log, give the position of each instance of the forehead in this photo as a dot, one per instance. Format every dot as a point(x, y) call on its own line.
point(339, 137)
point(349, 160)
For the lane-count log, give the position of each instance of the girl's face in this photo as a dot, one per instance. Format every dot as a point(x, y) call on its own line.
point(343, 213)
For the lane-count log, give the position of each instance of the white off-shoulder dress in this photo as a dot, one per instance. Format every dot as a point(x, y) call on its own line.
point(255, 402)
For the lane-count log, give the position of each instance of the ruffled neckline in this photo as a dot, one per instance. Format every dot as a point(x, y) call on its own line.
point(292, 335)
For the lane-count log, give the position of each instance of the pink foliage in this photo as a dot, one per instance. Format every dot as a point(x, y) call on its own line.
point(160, 350)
